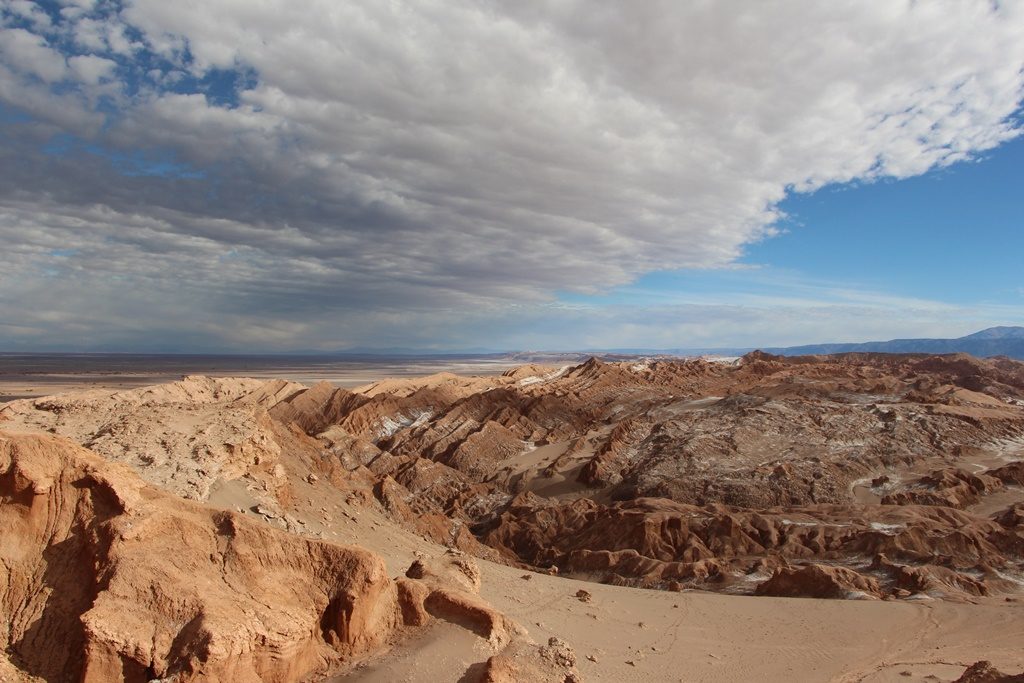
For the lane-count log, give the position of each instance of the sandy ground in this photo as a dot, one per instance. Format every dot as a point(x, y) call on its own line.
point(638, 635)
point(628, 634)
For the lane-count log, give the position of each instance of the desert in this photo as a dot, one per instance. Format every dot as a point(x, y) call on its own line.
point(854, 517)
point(543, 341)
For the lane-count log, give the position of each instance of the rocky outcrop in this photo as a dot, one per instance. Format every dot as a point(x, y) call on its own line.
point(984, 672)
point(105, 578)
point(1012, 517)
point(1012, 473)
point(819, 581)
point(612, 458)
point(447, 587)
point(949, 487)
point(656, 543)
point(932, 579)
point(182, 437)
point(313, 410)
point(525, 661)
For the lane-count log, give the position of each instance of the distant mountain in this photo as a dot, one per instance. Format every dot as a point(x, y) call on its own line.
point(995, 341)
point(998, 333)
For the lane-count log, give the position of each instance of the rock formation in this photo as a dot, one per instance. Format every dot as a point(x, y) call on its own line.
point(904, 470)
point(106, 578)
point(984, 672)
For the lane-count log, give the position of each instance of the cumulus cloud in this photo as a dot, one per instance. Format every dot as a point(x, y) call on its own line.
point(293, 160)
point(30, 54)
point(91, 69)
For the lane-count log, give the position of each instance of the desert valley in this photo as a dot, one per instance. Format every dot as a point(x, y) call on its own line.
point(464, 341)
point(857, 517)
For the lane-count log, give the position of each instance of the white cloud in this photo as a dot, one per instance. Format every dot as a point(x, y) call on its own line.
point(91, 34)
point(30, 54)
point(482, 152)
point(91, 69)
point(651, 137)
point(27, 10)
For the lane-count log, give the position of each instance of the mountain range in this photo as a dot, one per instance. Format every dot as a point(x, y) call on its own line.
point(994, 341)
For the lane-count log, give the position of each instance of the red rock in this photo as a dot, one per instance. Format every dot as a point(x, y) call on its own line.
point(819, 581)
point(984, 672)
point(169, 587)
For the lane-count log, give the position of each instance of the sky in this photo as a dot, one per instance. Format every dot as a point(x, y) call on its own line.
point(237, 176)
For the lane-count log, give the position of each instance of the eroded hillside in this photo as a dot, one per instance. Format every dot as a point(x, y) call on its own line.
point(860, 476)
point(745, 477)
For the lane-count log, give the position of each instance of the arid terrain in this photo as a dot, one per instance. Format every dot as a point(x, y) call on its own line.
point(30, 375)
point(851, 518)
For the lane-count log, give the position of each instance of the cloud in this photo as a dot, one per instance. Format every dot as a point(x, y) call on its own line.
point(294, 160)
point(91, 69)
point(28, 11)
point(30, 54)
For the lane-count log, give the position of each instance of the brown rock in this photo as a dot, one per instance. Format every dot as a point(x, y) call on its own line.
point(819, 581)
point(168, 587)
point(525, 661)
point(984, 672)
point(445, 587)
